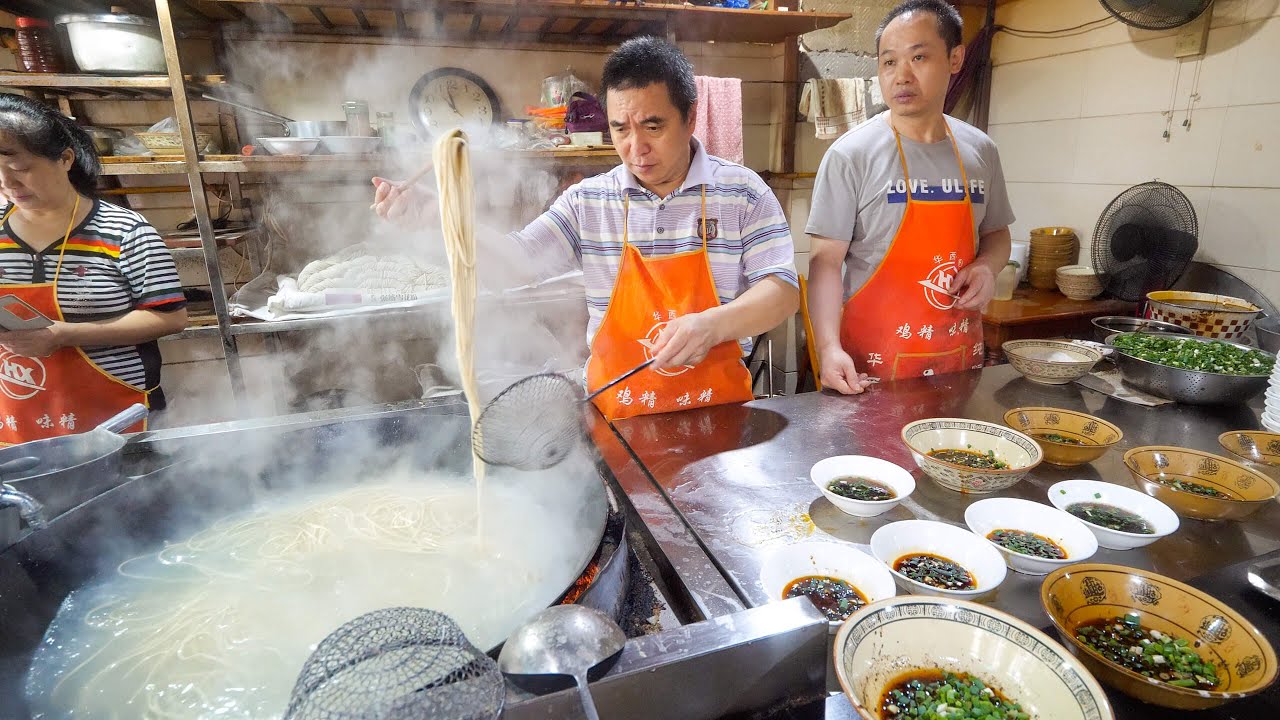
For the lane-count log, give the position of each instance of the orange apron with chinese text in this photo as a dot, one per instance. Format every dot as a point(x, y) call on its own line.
point(647, 294)
point(63, 393)
point(898, 324)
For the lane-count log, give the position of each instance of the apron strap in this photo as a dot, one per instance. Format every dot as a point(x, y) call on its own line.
point(66, 238)
point(902, 158)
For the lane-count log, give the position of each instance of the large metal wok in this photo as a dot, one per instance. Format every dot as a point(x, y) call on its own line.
point(228, 473)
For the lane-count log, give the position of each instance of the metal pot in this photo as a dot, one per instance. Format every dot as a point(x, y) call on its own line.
point(62, 472)
point(1191, 387)
point(115, 43)
point(292, 128)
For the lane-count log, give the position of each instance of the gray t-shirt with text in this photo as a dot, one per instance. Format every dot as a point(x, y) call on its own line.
point(860, 193)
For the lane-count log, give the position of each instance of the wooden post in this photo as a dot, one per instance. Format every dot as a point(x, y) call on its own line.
point(791, 101)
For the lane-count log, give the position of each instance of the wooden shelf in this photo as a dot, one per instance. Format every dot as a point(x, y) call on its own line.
point(338, 164)
point(512, 21)
point(106, 87)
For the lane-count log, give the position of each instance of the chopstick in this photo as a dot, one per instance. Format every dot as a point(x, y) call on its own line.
point(410, 181)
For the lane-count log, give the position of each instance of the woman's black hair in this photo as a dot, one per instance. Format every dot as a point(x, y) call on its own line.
point(45, 132)
point(643, 61)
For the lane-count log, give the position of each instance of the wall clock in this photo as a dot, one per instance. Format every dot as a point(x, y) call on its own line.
point(452, 97)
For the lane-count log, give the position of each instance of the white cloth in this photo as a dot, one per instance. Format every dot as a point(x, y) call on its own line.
point(873, 89)
point(834, 105)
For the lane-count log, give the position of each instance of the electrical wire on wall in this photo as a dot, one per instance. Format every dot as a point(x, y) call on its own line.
point(1081, 29)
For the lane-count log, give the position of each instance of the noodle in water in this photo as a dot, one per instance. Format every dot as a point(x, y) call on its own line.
point(457, 218)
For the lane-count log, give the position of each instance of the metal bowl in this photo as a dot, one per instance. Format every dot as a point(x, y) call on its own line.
point(289, 145)
point(1268, 333)
point(1108, 325)
point(1191, 387)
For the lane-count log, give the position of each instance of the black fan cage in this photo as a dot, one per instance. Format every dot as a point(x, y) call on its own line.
point(1156, 14)
point(1151, 204)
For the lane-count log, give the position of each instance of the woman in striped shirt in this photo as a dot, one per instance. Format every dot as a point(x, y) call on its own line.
point(97, 271)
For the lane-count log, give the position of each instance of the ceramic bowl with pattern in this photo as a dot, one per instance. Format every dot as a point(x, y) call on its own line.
point(1221, 317)
point(1199, 485)
point(862, 466)
point(1163, 520)
point(1019, 452)
point(1067, 437)
point(978, 557)
point(839, 560)
point(1051, 362)
point(1069, 534)
point(1259, 447)
point(884, 641)
point(1078, 595)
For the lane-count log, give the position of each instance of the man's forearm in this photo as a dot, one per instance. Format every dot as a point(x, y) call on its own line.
point(826, 292)
point(994, 249)
point(763, 307)
point(132, 328)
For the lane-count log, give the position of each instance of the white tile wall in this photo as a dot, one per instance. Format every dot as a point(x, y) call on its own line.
point(1125, 83)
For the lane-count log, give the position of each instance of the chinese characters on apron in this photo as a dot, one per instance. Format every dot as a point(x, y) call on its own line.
point(648, 294)
point(899, 324)
point(63, 393)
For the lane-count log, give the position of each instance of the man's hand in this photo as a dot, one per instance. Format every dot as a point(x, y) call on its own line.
point(686, 340)
point(409, 207)
point(840, 373)
point(33, 343)
point(974, 285)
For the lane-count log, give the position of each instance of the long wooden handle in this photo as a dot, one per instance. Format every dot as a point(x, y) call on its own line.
point(808, 333)
point(619, 379)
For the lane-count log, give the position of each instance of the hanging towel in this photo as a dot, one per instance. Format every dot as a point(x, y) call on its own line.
point(719, 116)
point(834, 105)
point(873, 89)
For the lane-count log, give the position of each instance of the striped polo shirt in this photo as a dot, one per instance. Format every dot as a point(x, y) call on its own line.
point(748, 236)
point(115, 263)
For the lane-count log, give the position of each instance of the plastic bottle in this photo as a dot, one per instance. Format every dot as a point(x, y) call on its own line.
point(1006, 281)
point(37, 46)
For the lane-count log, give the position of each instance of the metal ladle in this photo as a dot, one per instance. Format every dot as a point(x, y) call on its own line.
point(563, 640)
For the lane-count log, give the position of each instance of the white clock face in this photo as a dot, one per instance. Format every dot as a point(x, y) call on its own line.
point(450, 101)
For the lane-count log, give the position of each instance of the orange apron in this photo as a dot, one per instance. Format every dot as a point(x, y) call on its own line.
point(647, 294)
point(63, 393)
point(896, 326)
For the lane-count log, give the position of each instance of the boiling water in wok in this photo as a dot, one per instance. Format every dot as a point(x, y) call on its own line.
point(219, 622)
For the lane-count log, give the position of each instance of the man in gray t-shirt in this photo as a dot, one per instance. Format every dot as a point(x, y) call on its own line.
point(860, 194)
point(903, 258)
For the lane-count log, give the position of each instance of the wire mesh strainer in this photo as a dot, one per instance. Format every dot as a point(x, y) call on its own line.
point(397, 663)
point(536, 422)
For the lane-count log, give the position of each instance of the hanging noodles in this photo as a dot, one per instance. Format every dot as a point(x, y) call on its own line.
point(457, 218)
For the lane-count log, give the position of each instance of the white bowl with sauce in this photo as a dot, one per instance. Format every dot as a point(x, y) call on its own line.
point(1161, 518)
point(1070, 534)
point(842, 561)
point(978, 557)
point(897, 479)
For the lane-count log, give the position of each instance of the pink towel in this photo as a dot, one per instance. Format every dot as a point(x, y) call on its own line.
point(719, 117)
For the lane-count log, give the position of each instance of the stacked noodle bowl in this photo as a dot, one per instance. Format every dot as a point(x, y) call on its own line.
point(1051, 248)
point(1271, 416)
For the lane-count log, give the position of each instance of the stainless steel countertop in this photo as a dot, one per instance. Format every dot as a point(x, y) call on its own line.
point(739, 474)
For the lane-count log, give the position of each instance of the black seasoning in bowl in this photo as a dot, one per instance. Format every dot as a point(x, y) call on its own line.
point(935, 693)
point(836, 598)
point(1027, 543)
point(935, 571)
point(1125, 642)
point(970, 458)
point(861, 488)
point(1063, 439)
point(1194, 488)
point(1111, 517)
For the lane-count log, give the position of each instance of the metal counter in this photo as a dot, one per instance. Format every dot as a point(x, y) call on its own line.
point(738, 476)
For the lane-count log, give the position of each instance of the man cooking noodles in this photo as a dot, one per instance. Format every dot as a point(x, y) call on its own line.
point(898, 203)
point(683, 254)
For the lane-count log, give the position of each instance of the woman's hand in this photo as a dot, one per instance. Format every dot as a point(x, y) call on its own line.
point(35, 343)
point(410, 206)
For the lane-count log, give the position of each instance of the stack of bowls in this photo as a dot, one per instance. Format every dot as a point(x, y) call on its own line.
point(1079, 282)
point(1271, 415)
point(1051, 248)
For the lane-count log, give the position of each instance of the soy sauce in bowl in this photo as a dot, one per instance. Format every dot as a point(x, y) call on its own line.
point(935, 571)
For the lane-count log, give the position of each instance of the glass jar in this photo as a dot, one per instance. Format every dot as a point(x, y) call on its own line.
point(1006, 281)
point(387, 129)
point(37, 46)
point(357, 117)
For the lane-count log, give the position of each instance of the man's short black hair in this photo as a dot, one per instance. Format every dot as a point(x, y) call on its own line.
point(643, 61)
point(950, 25)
